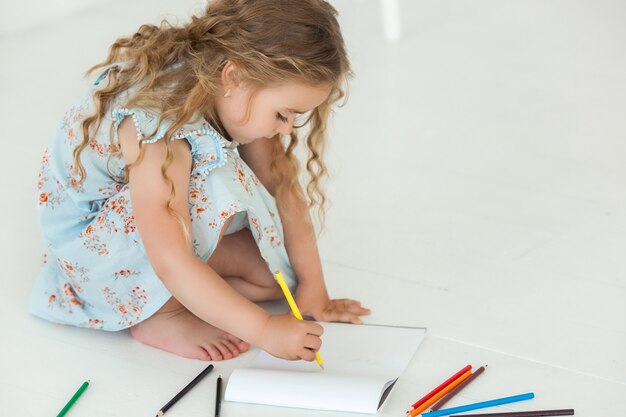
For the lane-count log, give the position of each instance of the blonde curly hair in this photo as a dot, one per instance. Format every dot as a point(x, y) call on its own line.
point(178, 69)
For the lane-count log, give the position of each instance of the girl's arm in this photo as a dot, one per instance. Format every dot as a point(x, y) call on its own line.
point(192, 282)
point(300, 243)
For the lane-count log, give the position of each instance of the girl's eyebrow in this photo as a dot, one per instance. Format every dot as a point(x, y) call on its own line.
point(296, 111)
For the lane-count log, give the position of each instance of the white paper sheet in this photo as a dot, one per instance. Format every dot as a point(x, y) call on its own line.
point(360, 362)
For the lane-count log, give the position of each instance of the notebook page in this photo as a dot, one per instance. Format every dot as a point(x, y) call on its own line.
point(359, 361)
point(314, 391)
point(357, 350)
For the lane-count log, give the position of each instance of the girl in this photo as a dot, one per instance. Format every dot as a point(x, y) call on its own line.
point(170, 193)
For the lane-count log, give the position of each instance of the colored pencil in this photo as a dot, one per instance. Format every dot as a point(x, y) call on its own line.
point(483, 404)
point(458, 389)
point(294, 308)
point(74, 398)
point(439, 388)
point(538, 413)
point(440, 394)
point(218, 396)
point(184, 391)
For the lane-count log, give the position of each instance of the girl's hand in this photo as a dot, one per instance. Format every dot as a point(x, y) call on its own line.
point(286, 337)
point(313, 301)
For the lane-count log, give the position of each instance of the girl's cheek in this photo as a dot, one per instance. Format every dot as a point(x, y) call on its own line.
point(265, 128)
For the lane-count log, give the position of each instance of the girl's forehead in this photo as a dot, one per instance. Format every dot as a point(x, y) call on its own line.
point(299, 97)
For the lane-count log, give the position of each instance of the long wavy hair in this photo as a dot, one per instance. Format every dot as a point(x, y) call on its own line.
point(178, 73)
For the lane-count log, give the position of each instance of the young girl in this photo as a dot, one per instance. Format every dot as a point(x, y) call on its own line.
point(170, 195)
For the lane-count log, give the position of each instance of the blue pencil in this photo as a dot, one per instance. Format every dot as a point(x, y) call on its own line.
point(484, 404)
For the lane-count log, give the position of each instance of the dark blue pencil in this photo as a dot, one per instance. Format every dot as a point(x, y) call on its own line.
point(184, 391)
point(218, 396)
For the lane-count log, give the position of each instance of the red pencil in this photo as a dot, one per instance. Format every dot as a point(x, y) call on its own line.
point(441, 386)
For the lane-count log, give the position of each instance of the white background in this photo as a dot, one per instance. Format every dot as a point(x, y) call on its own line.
point(479, 190)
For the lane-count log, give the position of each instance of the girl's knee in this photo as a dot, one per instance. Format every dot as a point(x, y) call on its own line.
point(275, 293)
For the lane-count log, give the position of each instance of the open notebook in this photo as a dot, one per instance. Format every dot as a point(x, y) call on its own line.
point(362, 363)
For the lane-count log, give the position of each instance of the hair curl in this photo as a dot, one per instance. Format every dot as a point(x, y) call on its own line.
point(178, 73)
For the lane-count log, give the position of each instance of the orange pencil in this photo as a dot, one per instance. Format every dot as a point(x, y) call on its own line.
point(439, 388)
point(440, 394)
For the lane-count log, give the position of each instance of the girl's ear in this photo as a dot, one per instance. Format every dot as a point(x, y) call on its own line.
point(230, 76)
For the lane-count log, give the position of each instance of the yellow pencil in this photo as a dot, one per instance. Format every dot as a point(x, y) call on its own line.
point(294, 307)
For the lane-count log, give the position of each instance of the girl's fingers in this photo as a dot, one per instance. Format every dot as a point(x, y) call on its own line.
point(312, 342)
point(357, 309)
point(307, 354)
point(343, 310)
point(364, 311)
point(348, 304)
point(342, 316)
point(346, 300)
point(314, 328)
point(348, 317)
point(352, 306)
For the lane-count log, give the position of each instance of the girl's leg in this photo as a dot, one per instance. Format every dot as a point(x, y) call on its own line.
point(175, 329)
point(237, 259)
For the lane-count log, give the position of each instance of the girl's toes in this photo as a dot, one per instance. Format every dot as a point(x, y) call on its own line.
point(239, 344)
point(231, 347)
point(215, 354)
point(202, 354)
point(226, 353)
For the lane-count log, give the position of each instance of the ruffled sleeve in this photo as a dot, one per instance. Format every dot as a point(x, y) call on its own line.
point(208, 147)
point(146, 123)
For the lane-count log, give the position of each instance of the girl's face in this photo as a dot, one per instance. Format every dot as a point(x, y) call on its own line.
point(249, 114)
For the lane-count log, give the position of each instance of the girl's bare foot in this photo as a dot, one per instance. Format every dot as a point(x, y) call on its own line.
point(175, 329)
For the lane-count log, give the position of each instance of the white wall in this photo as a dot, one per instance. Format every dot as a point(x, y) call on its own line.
point(21, 15)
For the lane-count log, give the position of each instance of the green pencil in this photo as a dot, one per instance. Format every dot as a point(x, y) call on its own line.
point(72, 400)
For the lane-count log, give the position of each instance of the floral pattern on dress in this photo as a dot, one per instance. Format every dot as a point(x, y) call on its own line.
point(198, 197)
point(73, 179)
point(74, 272)
point(119, 204)
point(95, 272)
point(115, 217)
point(95, 324)
point(93, 243)
point(66, 299)
point(71, 123)
point(248, 181)
point(51, 193)
point(110, 189)
point(272, 236)
point(103, 150)
point(126, 273)
point(127, 308)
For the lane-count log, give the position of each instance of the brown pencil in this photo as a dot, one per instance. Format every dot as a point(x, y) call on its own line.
point(538, 413)
point(456, 390)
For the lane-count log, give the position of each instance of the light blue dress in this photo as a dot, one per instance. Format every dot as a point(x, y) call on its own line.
point(95, 271)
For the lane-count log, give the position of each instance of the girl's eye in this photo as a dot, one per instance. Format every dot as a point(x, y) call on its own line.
point(282, 118)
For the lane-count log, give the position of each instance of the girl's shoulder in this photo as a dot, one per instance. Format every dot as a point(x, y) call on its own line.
point(208, 147)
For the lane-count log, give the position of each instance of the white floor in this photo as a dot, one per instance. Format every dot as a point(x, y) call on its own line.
point(479, 190)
